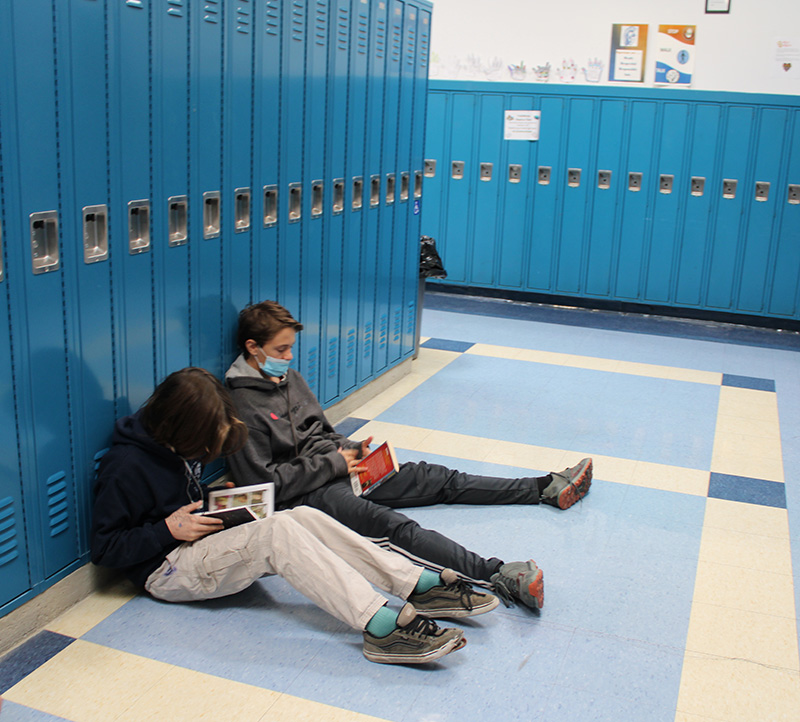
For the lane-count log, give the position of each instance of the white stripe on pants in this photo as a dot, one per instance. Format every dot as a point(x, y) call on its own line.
point(322, 559)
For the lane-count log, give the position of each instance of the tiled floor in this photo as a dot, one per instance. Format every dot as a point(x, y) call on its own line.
point(671, 590)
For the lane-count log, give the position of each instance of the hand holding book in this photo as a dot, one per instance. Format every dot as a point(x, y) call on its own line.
point(377, 467)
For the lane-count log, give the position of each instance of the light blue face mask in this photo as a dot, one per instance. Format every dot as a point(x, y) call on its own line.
point(274, 366)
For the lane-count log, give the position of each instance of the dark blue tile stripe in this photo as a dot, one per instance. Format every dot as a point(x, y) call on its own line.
point(748, 382)
point(444, 344)
point(31, 655)
point(747, 490)
point(350, 425)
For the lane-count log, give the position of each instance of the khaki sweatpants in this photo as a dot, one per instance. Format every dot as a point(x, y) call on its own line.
point(322, 559)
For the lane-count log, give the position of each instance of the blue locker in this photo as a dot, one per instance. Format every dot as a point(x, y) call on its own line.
point(485, 178)
point(237, 232)
point(86, 204)
point(757, 250)
point(314, 181)
point(337, 253)
point(39, 309)
point(209, 209)
point(607, 188)
point(636, 204)
point(370, 328)
point(131, 221)
point(731, 201)
point(547, 196)
point(267, 193)
point(460, 165)
point(171, 198)
point(785, 286)
point(14, 550)
point(513, 229)
point(354, 209)
point(667, 206)
point(437, 138)
point(698, 200)
point(576, 196)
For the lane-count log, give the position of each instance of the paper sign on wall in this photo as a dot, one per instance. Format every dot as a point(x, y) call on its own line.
point(521, 124)
point(628, 53)
point(675, 54)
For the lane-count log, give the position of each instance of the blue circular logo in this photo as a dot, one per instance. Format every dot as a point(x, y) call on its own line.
point(683, 57)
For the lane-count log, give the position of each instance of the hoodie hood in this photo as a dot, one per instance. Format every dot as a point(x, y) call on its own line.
point(129, 431)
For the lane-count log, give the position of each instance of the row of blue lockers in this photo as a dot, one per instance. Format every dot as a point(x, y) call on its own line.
point(164, 163)
point(660, 197)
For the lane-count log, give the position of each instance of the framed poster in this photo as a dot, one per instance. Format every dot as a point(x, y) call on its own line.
point(628, 53)
point(718, 6)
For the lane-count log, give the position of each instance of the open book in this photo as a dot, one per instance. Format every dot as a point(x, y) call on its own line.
point(242, 504)
point(381, 464)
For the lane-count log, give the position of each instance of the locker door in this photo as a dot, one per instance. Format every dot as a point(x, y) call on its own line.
point(172, 200)
point(39, 309)
point(606, 187)
point(314, 180)
point(730, 198)
point(131, 220)
point(354, 208)
point(14, 566)
point(435, 177)
point(693, 241)
point(517, 177)
point(86, 200)
point(389, 317)
point(547, 195)
point(209, 208)
point(488, 190)
point(268, 193)
point(338, 254)
point(667, 206)
point(373, 187)
point(760, 229)
point(237, 171)
point(783, 296)
point(638, 180)
point(576, 195)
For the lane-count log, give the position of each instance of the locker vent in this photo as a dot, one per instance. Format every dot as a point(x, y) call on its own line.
point(212, 11)
point(412, 318)
point(57, 507)
point(350, 356)
point(311, 375)
point(384, 331)
point(397, 41)
point(411, 44)
point(273, 18)
point(333, 355)
point(380, 39)
point(363, 30)
point(424, 42)
point(243, 12)
point(398, 325)
point(367, 340)
point(298, 20)
point(175, 8)
point(344, 26)
point(8, 532)
point(321, 23)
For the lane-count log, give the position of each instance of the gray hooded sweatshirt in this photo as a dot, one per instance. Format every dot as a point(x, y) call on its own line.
point(291, 442)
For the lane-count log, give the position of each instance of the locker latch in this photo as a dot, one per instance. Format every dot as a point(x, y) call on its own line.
point(95, 233)
point(138, 226)
point(177, 220)
point(44, 241)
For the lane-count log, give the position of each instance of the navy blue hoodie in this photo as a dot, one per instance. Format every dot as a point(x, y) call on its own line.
point(139, 484)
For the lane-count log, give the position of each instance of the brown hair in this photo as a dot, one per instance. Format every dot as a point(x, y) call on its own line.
point(188, 412)
point(262, 322)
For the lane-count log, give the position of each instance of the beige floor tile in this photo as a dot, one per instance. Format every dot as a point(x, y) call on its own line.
point(670, 478)
point(748, 404)
point(751, 590)
point(738, 634)
point(401, 436)
point(685, 717)
point(751, 427)
point(612, 468)
point(747, 551)
point(748, 465)
point(87, 682)
point(89, 612)
point(294, 709)
point(737, 516)
point(459, 446)
point(727, 444)
point(485, 349)
point(527, 456)
point(671, 373)
point(732, 690)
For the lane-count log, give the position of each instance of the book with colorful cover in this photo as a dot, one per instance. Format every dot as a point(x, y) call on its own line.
point(241, 504)
point(381, 465)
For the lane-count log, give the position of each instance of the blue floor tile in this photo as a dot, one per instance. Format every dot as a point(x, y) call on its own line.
point(748, 382)
point(20, 662)
point(443, 344)
point(750, 491)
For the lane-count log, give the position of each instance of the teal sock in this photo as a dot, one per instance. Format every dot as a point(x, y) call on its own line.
point(427, 580)
point(383, 623)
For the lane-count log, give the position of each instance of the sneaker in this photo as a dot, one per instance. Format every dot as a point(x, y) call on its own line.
point(520, 581)
point(455, 598)
point(568, 486)
point(416, 640)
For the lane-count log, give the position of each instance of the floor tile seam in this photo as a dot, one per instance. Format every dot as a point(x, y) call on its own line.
point(710, 656)
point(701, 603)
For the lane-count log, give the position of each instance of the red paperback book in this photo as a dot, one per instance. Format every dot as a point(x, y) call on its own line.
point(381, 464)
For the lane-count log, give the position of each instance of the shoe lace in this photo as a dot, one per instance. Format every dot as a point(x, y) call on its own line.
point(421, 626)
point(465, 592)
point(502, 591)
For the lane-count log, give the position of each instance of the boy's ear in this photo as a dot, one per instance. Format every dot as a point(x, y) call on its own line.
point(251, 347)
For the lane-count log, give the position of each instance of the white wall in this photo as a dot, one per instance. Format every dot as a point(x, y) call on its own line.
point(479, 39)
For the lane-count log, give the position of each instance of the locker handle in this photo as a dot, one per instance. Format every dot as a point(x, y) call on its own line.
point(358, 193)
point(337, 206)
point(211, 214)
point(241, 212)
point(177, 220)
point(295, 202)
point(138, 226)
point(375, 191)
point(417, 184)
point(44, 241)
point(405, 184)
point(317, 191)
point(95, 233)
point(270, 205)
point(390, 186)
